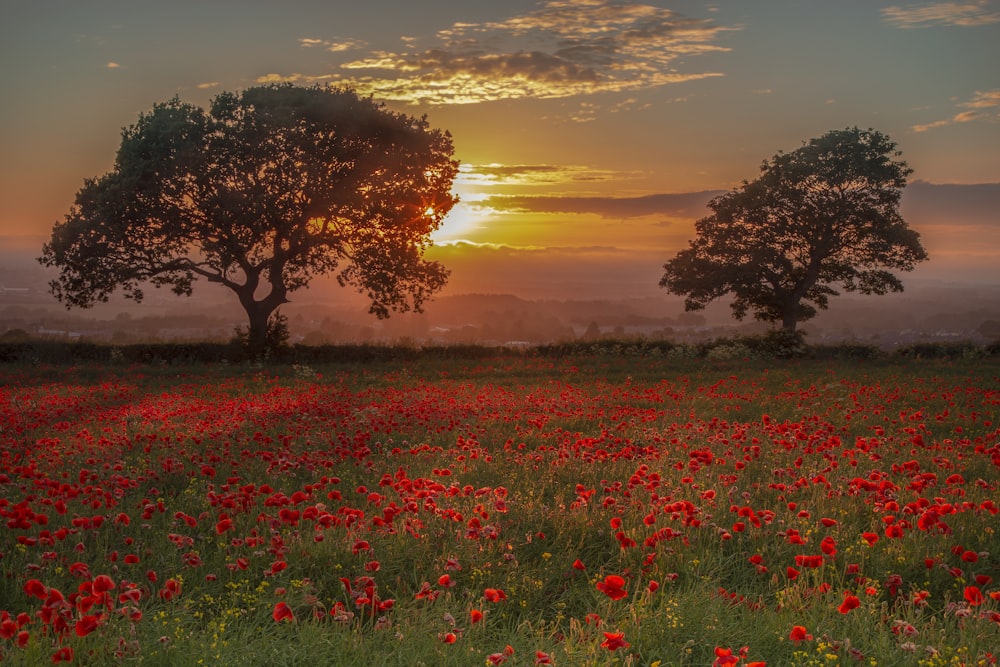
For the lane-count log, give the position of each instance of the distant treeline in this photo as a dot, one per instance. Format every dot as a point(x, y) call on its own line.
point(770, 346)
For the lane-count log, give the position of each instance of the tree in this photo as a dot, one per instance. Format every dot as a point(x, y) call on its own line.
point(260, 193)
point(824, 215)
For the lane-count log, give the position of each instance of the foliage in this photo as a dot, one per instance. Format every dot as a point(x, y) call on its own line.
point(260, 193)
point(824, 215)
point(594, 510)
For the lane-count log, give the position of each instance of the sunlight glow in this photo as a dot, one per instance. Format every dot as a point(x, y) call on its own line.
point(463, 220)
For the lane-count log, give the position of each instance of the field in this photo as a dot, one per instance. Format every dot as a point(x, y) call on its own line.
point(596, 510)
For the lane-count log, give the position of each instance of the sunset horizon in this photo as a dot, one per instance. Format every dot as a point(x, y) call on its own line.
point(590, 134)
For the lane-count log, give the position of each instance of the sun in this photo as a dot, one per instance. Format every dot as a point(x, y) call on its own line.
point(462, 221)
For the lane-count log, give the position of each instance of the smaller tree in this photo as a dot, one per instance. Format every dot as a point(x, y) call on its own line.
point(824, 215)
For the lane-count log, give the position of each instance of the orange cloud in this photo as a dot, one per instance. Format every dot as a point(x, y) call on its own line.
point(965, 14)
point(981, 102)
point(559, 50)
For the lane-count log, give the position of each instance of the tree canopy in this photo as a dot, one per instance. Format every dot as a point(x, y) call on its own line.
point(823, 216)
point(261, 192)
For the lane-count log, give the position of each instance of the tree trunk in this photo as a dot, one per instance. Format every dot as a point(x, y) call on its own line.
point(259, 310)
point(257, 316)
point(789, 319)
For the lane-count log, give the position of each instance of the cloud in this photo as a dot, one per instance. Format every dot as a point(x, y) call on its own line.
point(991, 98)
point(533, 174)
point(112, 65)
point(979, 107)
point(334, 46)
point(689, 205)
point(563, 48)
point(280, 78)
point(208, 84)
point(964, 14)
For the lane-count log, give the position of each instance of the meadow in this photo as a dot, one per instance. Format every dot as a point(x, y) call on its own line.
point(519, 510)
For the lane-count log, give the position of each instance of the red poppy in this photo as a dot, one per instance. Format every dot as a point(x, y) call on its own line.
point(86, 624)
point(36, 589)
point(65, 654)
point(799, 634)
point(282, 612)
point(850, 602)
point(542, 658)
point(449, 637)
point(724, 657)
point(475, 616)
point(494, 595)
point(870, 538)
point(170, 590)
point(973, 595)
point(102, 583)
point(612, 586)
point(426, 592)
point(578, 565)
point(614, 641)
point(444, 581)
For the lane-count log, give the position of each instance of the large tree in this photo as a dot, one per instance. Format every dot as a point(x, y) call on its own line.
point(823, 216)
point(260, 193)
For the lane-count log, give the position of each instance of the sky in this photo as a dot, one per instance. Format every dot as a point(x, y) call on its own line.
point(590, 133)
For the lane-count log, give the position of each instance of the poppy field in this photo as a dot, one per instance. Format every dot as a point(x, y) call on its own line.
point(518, 510)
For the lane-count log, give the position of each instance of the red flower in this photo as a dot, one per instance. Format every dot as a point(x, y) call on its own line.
point(494, 595)
point(578, 564)
point(475, 616)
point(799, 634)
point(36, 589)
point(724, 657)
point(973, 595)
point(65, 654)
point(444, 581)
point(612, 586)
point(102, 583)
point(170, 590)
point(426, 592)
point(850, 602)
point(449, 637)
point(542, 658)
point(614, 641)
point(282, 612)
point(86, 625)
point(870, 538)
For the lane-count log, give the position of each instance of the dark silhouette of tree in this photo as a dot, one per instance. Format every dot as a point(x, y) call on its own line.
point(260, 193)
point(824, 215)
